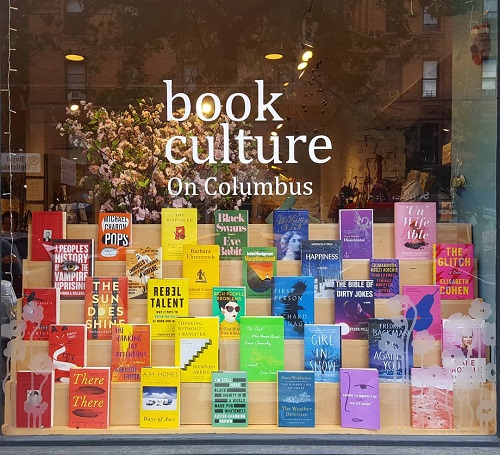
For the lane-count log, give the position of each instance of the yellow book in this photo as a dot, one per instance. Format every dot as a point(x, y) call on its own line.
point(197, 347)
point(160, 397)
point(179, 227)
point(167, 299)
point(200, 264)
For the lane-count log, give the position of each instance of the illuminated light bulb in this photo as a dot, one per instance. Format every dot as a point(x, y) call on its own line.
point(307, 55)
point(302, 66)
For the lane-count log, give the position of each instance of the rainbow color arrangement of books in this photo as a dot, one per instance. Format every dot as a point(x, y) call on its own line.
point(160, 397)
point(453, 270)
point(415, 230)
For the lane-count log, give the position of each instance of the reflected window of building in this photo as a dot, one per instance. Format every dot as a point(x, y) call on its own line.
point(74, 18)
point(429, 79)
point(393, 16)
point(490, 9)
point(76, 82)
point(393, 77)
point(431, 23)
point(489, 77)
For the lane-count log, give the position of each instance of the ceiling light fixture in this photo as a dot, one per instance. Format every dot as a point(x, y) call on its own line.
point(302, 66)
point(274, 56)
point(307, 55)
point(74, 57)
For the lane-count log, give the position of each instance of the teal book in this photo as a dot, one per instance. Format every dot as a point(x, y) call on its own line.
point(296, 399)
point(262, 347)
point(229, 399)
point(231, 233)
point(228, 303)
point(323, 351)
point(293, 298)
point(259, 266)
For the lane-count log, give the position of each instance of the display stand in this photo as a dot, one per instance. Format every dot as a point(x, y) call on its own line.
point(196, 398)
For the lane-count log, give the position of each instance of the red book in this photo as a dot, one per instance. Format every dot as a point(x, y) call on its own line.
point(130, 351)
point(46, 226)
point(67, 348)
point(106, 303)
point(454, 270)
point(89, 397)
point(35, 399)
point(73, 261)
point(415, 230)
point(114, 236)
point(40, 309)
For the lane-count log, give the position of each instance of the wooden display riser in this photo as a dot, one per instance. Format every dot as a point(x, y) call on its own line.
point(196, 398)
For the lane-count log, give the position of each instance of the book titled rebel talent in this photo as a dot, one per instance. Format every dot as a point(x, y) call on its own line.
point(322, 259)
point(231, 233)
point(356, 233)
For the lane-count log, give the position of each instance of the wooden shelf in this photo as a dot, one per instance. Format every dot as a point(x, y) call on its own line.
point(196, 398)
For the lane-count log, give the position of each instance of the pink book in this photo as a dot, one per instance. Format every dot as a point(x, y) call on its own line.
point(414, 229)
point(453, 267)
point(427, 310)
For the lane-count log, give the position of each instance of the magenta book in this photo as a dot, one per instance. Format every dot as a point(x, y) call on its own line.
point(359, 398)
point(415, 230)
point(431, 398)
point(453, 267)
point(427, 309)
point(356, 233)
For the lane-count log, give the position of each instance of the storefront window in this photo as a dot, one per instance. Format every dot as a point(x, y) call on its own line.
point(271, 216)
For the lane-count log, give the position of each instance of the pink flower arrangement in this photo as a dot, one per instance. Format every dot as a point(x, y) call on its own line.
point(129, 172)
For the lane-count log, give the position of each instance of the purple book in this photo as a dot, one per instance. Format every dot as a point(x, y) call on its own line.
point(356, 233)
point(385, 276)
point(426, 310)
point(359, 398)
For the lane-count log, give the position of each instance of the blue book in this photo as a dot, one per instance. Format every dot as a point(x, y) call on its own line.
point(290, 229)
point(322, 259)
point(390, 348)
point(323, 351)
point(293, 298)
point(354, 306)
point(296, 399)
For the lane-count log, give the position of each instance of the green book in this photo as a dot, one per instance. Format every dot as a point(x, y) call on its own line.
point(259, 266)
point(229, 399)
point(231, 233)
point(228, 303)
point(262, 347)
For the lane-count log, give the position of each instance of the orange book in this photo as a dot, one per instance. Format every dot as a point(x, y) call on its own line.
point(114, 236)
point(130, 351)
point(89, 397)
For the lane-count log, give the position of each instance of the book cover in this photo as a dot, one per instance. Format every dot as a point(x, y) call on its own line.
point(73, 262)
point(67, 348)
point(34, 399)
point(114, 236)
point(426, 313)
point(197, 347)
point(390, 349)
point(130, 351)
point(356, 233)
point(322, 259)
point(463, 349)
point(415, 230)
point(431, 398)
point(46, 226)
point(89, 389)
point(160, 397)
point(262, 347)
point(354, 306)
point(359, 398)
point(106, 303)
point(167, 299)
point(385, 276)
point(453, 270)
point(323, 351)
point(231, 233)
point(200, 264)
point(40, 308)
point(259, 266)
point(229, 399)
point(179, 227)
point(141, 264)
point(296, 399)
point(229, 304)
point(290, 229)
point(292, 297)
